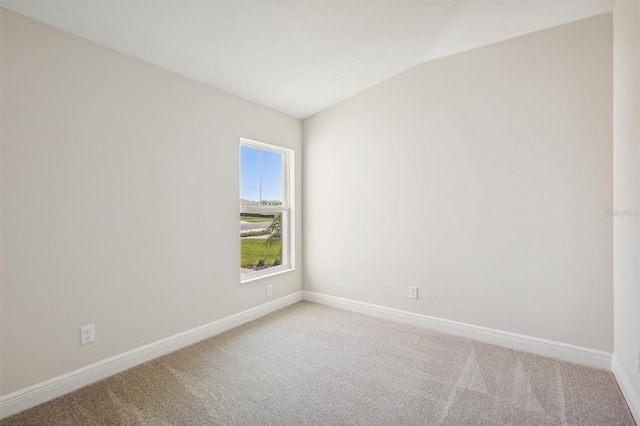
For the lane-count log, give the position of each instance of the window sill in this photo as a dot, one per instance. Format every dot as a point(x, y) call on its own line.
point(265, 273)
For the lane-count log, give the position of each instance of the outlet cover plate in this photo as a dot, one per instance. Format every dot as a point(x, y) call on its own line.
point(413, 292)
point(87, 334)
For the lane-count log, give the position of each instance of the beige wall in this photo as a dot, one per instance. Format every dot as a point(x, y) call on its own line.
point(119, 202)
point(626, 193)
point(482, 178)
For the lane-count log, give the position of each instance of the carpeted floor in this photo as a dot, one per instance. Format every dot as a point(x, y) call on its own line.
point(309, 364)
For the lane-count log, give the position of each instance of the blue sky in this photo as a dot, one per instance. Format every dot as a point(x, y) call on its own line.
point(250, 159)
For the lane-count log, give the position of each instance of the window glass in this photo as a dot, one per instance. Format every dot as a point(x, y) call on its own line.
point(264, 208)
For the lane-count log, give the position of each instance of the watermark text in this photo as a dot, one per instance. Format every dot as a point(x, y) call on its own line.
point(622, 212)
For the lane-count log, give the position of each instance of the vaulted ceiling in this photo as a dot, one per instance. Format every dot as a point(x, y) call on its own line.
point(299, 56)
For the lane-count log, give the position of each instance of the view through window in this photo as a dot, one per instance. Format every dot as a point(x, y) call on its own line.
point(264, 207)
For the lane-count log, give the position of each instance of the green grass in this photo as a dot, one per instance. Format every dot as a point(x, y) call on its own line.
point(252, 250)
point(256, 219)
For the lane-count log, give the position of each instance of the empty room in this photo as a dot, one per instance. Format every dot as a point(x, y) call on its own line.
point(319, 212)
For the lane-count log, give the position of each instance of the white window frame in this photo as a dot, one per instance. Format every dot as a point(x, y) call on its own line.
point(287, 211)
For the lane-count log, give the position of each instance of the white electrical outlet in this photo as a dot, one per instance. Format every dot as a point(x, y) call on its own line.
point(413, 292)
point(638, 361)
point(87, 334)
point(269, 290)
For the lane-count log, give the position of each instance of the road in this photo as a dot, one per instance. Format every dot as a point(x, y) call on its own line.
point(253, 226)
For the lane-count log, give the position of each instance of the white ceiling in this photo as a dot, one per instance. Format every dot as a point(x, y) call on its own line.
point(299, 56)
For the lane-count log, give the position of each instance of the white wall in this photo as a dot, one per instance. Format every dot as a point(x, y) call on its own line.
point(483, 179)
point(119, 202)
point(626, 193)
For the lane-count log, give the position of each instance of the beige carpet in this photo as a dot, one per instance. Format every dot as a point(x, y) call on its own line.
point(313, 365)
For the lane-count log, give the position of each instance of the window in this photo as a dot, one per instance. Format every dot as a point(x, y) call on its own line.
point(265, 210)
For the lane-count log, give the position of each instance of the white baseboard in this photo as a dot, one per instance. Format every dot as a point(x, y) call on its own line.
point(633, 399)
point(58, 386)
point(576, 354)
